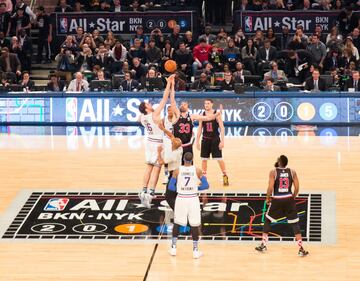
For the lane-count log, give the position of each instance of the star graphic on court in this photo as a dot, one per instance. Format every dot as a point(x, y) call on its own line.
point(277, 24)
point(92, 24)
point(139, 205)
point(117, 111)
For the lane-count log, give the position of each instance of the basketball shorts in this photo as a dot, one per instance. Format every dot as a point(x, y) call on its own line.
point(187, 209)
point(151, 153)
point(283, 208)
point(167, 146)
point(210, 147)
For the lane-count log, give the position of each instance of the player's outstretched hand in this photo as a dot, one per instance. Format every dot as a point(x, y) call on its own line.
point(171, 78)
point(268, 200)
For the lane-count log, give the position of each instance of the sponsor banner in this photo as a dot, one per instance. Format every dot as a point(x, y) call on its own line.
point(124, 22)
point(121, 216)
point(251, 21)
point(237, 110)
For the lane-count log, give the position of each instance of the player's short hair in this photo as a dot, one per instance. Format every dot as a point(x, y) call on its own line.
point(283, 160)
point(210, 100)
point(188, 157)
point(142, 107)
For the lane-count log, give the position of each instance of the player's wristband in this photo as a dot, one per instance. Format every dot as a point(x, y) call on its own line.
point(172, 184)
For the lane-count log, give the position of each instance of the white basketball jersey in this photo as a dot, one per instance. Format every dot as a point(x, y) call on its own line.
point(153, 131)
point(168, 125)
point(187, 180)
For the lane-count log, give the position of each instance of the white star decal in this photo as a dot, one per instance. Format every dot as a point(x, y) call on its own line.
point(277, 24)
point(117, 111)
point(139, 205)
point(92, 24)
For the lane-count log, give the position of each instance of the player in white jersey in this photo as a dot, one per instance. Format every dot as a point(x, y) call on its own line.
point(150, 119)
point(171, 156)
point(168, 123)
point(186, 181)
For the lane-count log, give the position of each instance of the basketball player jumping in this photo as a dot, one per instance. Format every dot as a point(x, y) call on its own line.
point(169, 121)
point(150, 119)
point(185, 181)
point(180, 123)
point(281, 202)
point(212, 140)
point(183, 128)
point(171, 155)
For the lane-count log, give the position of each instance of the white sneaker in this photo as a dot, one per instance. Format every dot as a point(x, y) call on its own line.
point(148, 199)
point(172, 251)
point(147, 203)
point(142, 197)
point(197, 254)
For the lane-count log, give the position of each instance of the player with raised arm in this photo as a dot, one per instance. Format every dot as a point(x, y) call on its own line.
point(171, 156)
point(150, 119)
point(183, 128)
point(180, 123)
point(169, 121)
point(212, 143)
point(281, 201)
point(186, 181)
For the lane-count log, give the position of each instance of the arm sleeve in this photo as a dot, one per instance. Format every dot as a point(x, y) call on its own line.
point(204, 183)
point(172, 184)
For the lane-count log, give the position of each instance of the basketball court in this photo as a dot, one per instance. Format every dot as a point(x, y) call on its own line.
point(99, 231)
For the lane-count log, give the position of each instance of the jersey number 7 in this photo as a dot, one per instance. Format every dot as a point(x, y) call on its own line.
point(187, 180)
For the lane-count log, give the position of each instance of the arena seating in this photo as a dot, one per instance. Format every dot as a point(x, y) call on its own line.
point(264, 59)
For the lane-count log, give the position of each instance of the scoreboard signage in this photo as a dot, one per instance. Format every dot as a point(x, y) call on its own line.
point(124, 109)
point(123, 22)
point(251, 21)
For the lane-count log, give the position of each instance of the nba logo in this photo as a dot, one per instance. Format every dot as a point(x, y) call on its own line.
point(248, 24)
point(56, 204)
point(72, 131)
point(71, 109)
point(63, 25)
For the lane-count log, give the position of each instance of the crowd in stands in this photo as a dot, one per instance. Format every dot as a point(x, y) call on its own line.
point(119, 5)
point(211, 61)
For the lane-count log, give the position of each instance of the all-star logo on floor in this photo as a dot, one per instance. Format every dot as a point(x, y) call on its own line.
point(119, 215)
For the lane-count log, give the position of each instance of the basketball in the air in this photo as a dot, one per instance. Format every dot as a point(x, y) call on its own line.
point(170, 66)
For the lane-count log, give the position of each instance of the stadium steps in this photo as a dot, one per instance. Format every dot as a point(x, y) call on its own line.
point(49, 5)
point(40, 72)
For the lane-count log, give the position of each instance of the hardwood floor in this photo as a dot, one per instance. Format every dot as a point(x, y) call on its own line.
point(116, 163)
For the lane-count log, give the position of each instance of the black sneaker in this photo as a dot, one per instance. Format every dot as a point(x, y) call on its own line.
point(261, 248)
point(225, 180)
point(302, 252)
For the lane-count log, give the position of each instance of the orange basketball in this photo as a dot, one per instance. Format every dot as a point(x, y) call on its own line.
point(170, 66)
